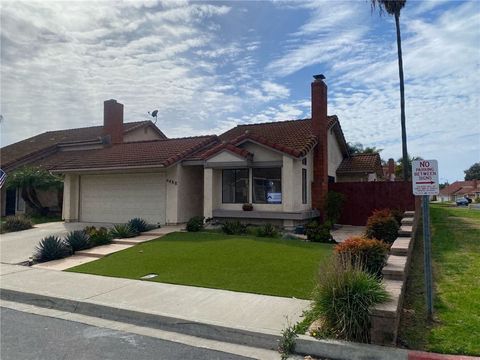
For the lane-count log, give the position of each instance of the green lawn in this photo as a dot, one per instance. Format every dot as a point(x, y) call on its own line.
point(456, 260)
point(240, 263)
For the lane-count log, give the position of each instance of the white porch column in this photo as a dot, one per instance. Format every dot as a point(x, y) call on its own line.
point(71, 198)
point(208, 192)
point(287, 183)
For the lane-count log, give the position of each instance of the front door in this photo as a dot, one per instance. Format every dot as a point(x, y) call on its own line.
point(10, 202)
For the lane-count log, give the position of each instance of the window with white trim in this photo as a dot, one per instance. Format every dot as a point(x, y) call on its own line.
point(235, 186)
point(267, 185)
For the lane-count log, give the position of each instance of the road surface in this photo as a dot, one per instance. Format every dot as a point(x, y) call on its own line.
point(28, 336)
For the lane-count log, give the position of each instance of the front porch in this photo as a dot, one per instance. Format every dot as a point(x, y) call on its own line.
point(286, 219)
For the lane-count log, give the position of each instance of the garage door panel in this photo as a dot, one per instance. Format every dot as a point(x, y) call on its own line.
point(119, 198)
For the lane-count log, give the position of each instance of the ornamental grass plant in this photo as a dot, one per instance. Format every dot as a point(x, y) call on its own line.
point(345, 296)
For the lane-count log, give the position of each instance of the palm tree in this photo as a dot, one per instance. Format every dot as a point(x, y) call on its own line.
point(393, 7)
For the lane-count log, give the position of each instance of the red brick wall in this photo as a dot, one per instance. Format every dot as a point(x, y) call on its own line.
point(320, 155)
point(113, 120)
point(364, 197)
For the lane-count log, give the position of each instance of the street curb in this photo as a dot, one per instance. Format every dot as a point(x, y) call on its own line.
point(337, 349)
point(239, 336)
point(305, 345)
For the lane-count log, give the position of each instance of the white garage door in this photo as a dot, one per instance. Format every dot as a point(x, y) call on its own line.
point(117, 198)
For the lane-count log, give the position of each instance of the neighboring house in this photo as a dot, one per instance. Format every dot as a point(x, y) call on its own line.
point(360, 167)
point(460, 189)
point(35, 150)
point(120, 171)
point(389, 170)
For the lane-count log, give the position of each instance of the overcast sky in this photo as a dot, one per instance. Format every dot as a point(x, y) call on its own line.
point(207, 66)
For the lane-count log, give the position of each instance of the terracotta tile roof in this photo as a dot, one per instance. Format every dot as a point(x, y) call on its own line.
point(361, 163)
point(294, 137)
point(134, 154)
point(211, 151)
point(461, 188)
point(48, 140)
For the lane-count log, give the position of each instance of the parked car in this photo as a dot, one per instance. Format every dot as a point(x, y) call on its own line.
point(462, 202)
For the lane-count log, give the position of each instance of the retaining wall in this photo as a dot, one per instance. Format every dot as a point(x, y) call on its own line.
point(385, 318)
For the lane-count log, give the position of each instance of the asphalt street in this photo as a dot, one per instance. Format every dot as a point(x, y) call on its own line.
point(29, 336)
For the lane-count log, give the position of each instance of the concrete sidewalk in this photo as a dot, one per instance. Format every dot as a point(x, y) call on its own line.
point(217, 315)
point(251, 312)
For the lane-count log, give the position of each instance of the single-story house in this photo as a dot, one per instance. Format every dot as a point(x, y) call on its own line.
point(360, 167)
point(460, 189)
point(118, 171)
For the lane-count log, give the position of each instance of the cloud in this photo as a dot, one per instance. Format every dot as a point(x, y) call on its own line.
point(208, 67)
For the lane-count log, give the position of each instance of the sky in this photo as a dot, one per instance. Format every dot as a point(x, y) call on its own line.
point(209, 66)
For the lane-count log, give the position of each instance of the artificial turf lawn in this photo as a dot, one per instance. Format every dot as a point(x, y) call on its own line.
point(240, 263)
point(456, 260)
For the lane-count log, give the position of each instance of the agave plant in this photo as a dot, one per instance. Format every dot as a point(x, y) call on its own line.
point(139, 225)
point(51, 248)
point(78, 240)
point(123, 231)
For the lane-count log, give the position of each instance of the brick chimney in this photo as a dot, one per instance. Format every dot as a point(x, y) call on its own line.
point(320, 156)
point(113, 120)
point(391, 169)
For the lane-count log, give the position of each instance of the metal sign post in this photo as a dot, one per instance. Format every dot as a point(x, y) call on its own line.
point(425, 183)
point(427, 255)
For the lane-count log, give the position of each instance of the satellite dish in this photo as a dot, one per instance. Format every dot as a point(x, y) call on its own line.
point(154, 114)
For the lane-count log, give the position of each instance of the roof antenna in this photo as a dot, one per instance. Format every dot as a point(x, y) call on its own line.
point(154, 114)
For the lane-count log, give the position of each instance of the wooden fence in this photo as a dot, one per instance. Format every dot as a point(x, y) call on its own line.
point(364, 197)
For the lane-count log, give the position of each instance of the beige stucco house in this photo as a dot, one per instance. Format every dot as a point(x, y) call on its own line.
point(123, 170)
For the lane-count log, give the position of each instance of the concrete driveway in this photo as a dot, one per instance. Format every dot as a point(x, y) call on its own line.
point(17, 247)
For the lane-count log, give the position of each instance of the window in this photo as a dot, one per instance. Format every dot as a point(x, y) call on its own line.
point(304, 161)
point(235, 186)
point(304, 186)
point(267, 185)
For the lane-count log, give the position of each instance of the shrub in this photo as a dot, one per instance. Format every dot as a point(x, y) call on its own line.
point(319, 232)
point(195, 224)
point(123, 231)
point(247, 207)
point(234, 227)
point(267, 230)
point(398, 215)
point(370, 252)
point(382, 226)
point(344, 298)
point(333, 206)
point(17, 223)
point(139, 225)
point(99, 236)
point(51, 248)
point(78, 240)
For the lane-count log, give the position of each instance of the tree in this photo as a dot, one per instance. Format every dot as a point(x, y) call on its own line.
point(399, 169)
point(358, 148)
point(393, 7)
point(443, 185)
point(31, 179)
point(473, 172)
